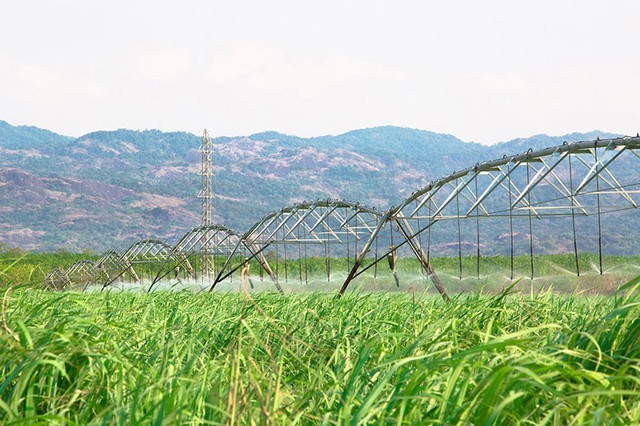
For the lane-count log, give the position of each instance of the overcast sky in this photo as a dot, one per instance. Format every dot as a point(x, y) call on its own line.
point(485, 71)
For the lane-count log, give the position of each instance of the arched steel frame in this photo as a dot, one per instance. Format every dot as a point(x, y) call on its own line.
point(85, 272)
point(211, 241)
point(145, 251)
point(563, 181)
point(320, 222)
point(111, 263)
point(108, 261)
point(568, 181)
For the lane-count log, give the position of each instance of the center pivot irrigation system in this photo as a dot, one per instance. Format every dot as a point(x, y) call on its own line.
point(572, 182)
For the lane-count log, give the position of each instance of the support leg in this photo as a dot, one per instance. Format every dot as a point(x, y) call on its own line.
point(363, 253)
point(407, 232)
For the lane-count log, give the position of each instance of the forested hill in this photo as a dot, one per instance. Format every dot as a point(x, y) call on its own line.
point(110, 188)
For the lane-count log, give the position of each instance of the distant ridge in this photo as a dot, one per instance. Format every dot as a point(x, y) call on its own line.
point(108, 188)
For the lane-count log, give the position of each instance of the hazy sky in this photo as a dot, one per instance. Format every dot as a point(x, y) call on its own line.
point(484, 71)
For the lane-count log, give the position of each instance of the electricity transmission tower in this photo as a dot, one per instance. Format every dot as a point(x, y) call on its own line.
point(206, 195)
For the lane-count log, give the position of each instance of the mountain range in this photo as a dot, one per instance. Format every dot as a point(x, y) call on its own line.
point(108, 189)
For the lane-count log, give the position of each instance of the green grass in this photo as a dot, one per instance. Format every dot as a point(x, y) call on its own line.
point(376, 358)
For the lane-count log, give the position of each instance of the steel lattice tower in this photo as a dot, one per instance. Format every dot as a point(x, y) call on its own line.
point(206, 195)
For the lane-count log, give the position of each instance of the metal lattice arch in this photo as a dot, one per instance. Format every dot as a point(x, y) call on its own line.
point(146, 252)
point(81, 273)
point(325, 225)
point(211, 245)
point(85, 272)
point(112, 266)
point(56, 279)
point(569, 181)
point(573, 184)
point(108, 261)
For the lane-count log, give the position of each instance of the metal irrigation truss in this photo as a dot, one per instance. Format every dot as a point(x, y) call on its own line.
point(56, 279)
point(319, 223)
point(146, 252)
point(210, 243)
point(566, 183)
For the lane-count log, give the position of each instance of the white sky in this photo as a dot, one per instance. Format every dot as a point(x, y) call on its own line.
point(485, 71)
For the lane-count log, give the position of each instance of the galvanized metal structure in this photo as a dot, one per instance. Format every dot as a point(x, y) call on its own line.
point(566, 181)
point(571, 182)
point(56, 279)
point(212, 243)
point(206, 195)
point(322, 223)
point(146, 252)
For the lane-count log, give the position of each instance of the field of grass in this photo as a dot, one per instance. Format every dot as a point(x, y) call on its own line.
point(310, 358)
